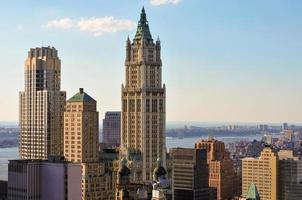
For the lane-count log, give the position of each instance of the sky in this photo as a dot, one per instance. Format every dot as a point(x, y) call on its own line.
point(223, 61)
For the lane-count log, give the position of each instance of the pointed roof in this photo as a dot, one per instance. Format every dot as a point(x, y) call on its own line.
point(81, 96)
point(252, 193)
point(159, 170)
point(143, 30)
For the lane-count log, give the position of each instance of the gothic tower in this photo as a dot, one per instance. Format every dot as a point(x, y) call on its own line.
point(143, 102)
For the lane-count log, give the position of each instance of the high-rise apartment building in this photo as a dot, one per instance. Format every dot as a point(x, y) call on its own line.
point(112, 128)
point(263, 172)
point(221, 168)
point(41, 106)
point(44, 179)
point(143, 102)
point(190, 174)
point(290, 176)
point(81, 142)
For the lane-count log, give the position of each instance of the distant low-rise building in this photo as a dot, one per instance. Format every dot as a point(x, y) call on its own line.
point(49, 179)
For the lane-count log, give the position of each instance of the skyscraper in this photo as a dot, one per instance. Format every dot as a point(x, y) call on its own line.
point(112, 128)
point(143, 102)
point(41, 106)
point(263, 172)
point(81, 133)
point(221, 167)
point(81, 139)
point(190, 174)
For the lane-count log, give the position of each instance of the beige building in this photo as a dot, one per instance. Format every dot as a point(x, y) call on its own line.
point(81, 139)
point(143, 103)
point(221, 168)
point(290, 176)
point(41, 106)
point(263, 172)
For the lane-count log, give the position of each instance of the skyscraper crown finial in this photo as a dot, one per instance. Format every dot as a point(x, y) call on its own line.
point(143, 27)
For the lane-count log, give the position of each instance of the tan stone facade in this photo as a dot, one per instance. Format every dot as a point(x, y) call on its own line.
point(261, 171)
point(41, 106)
point(81, 139)
point(143, 103)
point(81, 131)
point(221, 169)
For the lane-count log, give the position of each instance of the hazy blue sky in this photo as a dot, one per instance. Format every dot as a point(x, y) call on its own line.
point(224, 60)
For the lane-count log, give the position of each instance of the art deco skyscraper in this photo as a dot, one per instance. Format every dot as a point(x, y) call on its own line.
point(81, 129)
point(41, 106)
point(81, 141)
point(143, 101)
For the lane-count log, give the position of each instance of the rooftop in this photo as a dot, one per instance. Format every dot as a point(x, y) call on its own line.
point(81, 96)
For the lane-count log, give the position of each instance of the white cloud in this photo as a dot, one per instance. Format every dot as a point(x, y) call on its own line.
point(95, 26)
point(64, 23)
point(99, 26)
point(163, 2)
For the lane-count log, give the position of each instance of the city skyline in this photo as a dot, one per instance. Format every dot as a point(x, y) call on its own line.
point(229, 58)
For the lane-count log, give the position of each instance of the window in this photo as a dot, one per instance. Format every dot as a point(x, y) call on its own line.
point(154, 105)
point(148, 105)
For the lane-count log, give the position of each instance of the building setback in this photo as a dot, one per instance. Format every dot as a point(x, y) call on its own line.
point(112, 128)
point(41, 106)
point(44, 179)
point(221, 168)
point(143, 103)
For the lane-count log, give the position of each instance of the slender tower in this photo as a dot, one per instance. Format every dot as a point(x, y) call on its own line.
point(41, 106)
point(143, 102)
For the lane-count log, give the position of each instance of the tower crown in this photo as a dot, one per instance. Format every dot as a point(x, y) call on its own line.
point(143, 31)
point(81, 96)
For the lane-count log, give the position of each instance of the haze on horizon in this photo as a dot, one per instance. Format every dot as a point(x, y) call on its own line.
point(224, 61)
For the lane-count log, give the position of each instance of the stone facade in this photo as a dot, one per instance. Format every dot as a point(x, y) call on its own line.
point(263, 172)
point(81, 143)
point(143, 104)
point(41, 106)
point(221, 167)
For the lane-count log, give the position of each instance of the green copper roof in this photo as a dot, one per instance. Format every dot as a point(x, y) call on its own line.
point(81, 96)
point(252, 193)
point(143, 30)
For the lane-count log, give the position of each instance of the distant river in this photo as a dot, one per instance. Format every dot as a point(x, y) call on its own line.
point(5, 155)
point(12, 153)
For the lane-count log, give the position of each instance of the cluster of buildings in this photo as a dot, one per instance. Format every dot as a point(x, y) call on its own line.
point(61, 157)
point(59, 149)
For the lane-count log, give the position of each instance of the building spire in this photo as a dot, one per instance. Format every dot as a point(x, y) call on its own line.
point(143, 30)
